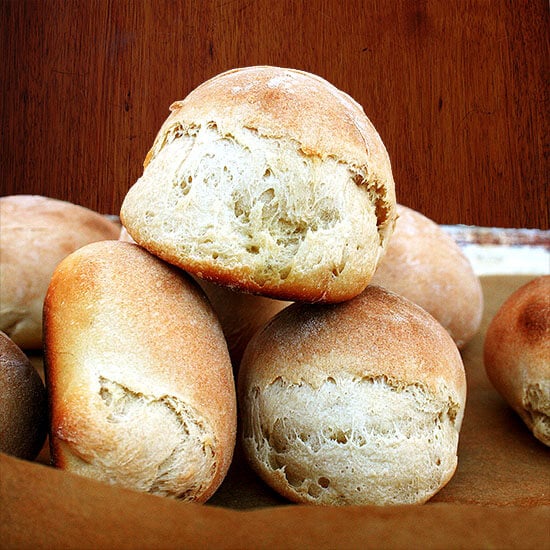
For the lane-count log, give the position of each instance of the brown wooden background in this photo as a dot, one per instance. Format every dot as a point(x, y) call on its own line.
point(458, 90)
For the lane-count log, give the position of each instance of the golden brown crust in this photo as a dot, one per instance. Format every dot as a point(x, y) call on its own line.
point(517, 354)
point(533, 321)
point(425, 265)
point(36, 233)
point(346, 334)
point(240, 314)
point(23, 406)
point(323, 120)
point(129, 336)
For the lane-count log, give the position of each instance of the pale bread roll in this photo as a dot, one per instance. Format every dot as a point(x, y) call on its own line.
point(23, 403)
point(267, 180)
point(517, 354)
point(355, 403)
point(36, 233)
point(240, 314)
point(425, 265)
point(141, 387)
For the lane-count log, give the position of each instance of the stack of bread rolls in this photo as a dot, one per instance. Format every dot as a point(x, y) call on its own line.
point(250, 245)
point(270, 184)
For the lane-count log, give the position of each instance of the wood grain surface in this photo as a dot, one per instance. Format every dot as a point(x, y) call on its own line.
point(458, 90)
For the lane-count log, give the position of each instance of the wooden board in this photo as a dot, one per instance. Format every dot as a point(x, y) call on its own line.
point(458, 90)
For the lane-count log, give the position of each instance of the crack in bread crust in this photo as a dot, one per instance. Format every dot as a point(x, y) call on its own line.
point(536, 403)
point(180, 464)
point(275, 218)
point(390, 442)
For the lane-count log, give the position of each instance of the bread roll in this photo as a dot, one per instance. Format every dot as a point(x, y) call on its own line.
point(425, 265)
point(270, 181)
point(517, 354)
point(36, 233)
point(355, 403)
point(140, 381)
point(23, 404)
point(240, 315)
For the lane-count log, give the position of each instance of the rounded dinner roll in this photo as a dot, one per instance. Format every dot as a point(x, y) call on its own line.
point(517, 354)
point(425, 265)
point(23, 403)
point(240, 314)
point(353, 403)
point(267, 180)
point(36, 233)
point(139, 377)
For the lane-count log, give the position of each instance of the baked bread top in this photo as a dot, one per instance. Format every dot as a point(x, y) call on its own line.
point(376, 334)
point(268, 180)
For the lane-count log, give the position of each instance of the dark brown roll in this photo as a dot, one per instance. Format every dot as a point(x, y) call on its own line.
point(23, 404)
